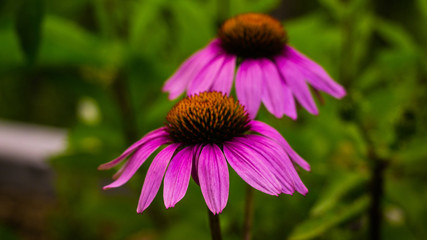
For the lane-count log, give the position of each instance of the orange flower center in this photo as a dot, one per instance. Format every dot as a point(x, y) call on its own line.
point(252, 35)
point(209, 117)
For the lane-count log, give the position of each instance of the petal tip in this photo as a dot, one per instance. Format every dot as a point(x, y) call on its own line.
point(342, 94)
point(303, 192)
point(103, 167)
point(170, 206)
point(293, 117)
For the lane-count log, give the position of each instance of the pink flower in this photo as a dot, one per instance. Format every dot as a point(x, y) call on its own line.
point(268, 69)
point(202, 134)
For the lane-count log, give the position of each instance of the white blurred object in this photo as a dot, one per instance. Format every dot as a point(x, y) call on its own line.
point(30, 143)
point(88, 111)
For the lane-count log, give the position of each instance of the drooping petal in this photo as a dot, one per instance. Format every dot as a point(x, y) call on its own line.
point(136, 160)
point(273, 88)
point(276, 164)
point(207, 76)
point(249, 86)
point(186, 73)
point(268, 131)
point(224, 80)
point(158, 133)
point(290, 107)
point(296, 81)
point(279, 159)
point(278, 151)
point(154, 176)
point(251, 167)
point(194, 170)
point(213, 177)
point(314, 73)
point(177, 177)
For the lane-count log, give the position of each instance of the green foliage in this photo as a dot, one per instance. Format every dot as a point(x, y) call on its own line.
point(318, 226)
point(28, 27)
point(98, 68)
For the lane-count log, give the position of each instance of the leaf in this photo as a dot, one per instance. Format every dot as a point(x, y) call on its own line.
point(316, 226)
point(194, 26)
point(336, 7)
point(28, 27)
point(341, 185)
point(415, 152)
point(143, 14)
point(396, 35)
point(10, 52)
point(244, 6)
point(422, 7)
point(66, 43)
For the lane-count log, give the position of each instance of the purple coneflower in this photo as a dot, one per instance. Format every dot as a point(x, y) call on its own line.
point(269, 69)
point(203, 132)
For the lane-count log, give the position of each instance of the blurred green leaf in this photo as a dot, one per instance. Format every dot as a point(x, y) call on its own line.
point(144, 13)
point(29, 19)
point(335, 6)
point(244, 6)
point(315, 227)
point(343, 10)
point(422, 7)
point(407, 193)
point(414, 151)
point(194, 27)
point(66, 43)
point(395, 35)
point(10, 53)
point(340, 185)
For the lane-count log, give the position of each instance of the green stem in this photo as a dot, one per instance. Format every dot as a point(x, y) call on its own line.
point(214, 226)
point(249, 213)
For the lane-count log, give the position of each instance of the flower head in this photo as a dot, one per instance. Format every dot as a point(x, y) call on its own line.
point(269, 70)
point(203, 133)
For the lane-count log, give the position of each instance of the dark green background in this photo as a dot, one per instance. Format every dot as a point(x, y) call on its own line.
point(96, 67)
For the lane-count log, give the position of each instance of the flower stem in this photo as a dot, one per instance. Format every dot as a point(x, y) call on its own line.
point(377, 191)
point(214, 226)
point(249, 212)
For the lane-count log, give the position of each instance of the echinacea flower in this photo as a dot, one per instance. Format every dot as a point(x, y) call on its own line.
point(269, 70)
point(203, 133)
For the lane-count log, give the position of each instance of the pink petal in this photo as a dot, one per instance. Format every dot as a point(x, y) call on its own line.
point(315, 74)
point(158, 133)
point(275, 162)
point(186, 73)
point(290, 107)
point(272, 133)
point(137, 159)
point(273, 91)
point(213, 177)
point(177, 177)
point(279, 159)
point(224, 81)
point(249, 86)
point(296, 81)
point(278, 151)
point(154, 176)
point(251, 167)
point(206, 77)
point(194, 170)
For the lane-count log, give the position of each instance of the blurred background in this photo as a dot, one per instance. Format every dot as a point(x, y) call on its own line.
point(81, 80)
